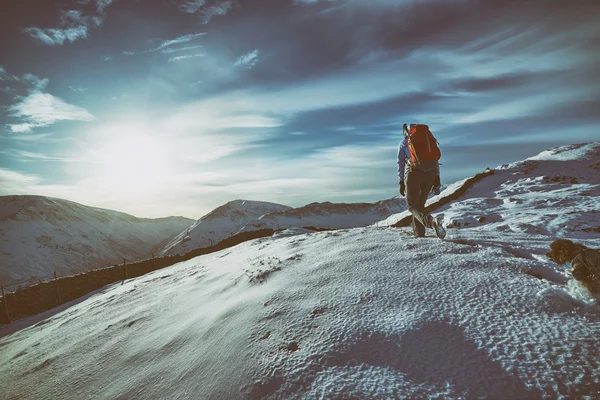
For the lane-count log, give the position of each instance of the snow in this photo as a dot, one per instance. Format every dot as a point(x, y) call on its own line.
point(369, 312)
point(219, 224)
point(329, 215)
point(40, 235)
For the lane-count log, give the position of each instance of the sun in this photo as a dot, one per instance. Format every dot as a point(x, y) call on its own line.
point(133, 161)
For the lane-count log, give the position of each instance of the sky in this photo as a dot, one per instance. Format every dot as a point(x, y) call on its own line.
point(174, 107)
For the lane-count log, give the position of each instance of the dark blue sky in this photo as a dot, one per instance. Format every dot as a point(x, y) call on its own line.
point(162, 107)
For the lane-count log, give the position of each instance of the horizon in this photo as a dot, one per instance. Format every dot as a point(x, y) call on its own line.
point(175, 108)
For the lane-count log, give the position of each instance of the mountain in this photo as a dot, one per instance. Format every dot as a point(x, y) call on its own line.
point(219, 224)
point(367, 313)
point(329, 215)
point(40, 235)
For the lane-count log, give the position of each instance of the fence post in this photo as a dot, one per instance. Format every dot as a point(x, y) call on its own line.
point(5, 305)
point(124, 267)
point(57, 291)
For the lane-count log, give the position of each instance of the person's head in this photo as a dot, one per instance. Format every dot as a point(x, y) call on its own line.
point(563, 250)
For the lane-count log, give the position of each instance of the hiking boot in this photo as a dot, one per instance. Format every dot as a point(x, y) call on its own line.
point(418, 228)
point(439, 229)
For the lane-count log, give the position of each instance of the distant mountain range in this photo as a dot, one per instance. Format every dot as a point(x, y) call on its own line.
point(41, 235)
point(329, 215)
point(219, 224)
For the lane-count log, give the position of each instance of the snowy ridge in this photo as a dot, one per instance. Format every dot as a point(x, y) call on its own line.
point(40, 235)
point(518, 197)
point(364, 313)
point(219, 224)
point(329, 215)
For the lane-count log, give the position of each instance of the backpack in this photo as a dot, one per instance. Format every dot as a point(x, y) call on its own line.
point(423, 148)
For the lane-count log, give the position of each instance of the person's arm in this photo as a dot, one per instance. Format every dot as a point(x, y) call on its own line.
point(401, 160)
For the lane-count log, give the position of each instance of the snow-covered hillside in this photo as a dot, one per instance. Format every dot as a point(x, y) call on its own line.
point(40, 235)
point(554, 193)
point(219, 224)
point(329, 215)
point(368, 312)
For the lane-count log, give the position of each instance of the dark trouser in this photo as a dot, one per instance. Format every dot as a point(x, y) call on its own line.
point(418, 186)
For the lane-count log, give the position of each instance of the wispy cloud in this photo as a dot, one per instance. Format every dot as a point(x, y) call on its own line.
point(179, 40)
point(73, 25)
point(167, 46)
point(57, 37)
point(37, 137)
point(179, 49)
point(179, 58)
point(28, 156)
point(13, 182)
point(78, 89)
point(191, 6)
point(248, 60)
point(207, 9)
point(38, 83)
point(42, 109)
point(22, 128)
point(5, 76)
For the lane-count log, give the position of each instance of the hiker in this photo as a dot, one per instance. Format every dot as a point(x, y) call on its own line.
point(419, 151)
point(585, 262)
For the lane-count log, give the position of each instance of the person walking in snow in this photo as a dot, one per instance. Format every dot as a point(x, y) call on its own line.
point(419, 174)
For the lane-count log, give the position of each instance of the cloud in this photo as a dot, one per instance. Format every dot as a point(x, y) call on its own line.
point(176, 50)
point(248, 60)
point(13, 182)
point(22, 128)
point(73, 25)
point(57, 37)
point(5, 76)
point(166, 46)
point(38, 83)
point(42, 109)
point(78, 89)
point(191, 6)
point(38, 138)
point(179, 40)
point(28, 156)
point(179, 58)
point(206, 9)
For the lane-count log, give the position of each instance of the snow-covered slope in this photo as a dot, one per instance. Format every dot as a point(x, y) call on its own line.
point(554, 193)
point(40, 235)
point(219, 224)
point(363, 313)
point(330, 215)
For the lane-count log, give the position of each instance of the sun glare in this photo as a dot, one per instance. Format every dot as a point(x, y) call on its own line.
point(133, 161)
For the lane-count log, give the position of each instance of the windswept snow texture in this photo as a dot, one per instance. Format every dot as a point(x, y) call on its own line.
point(555, 193)
point(362, 313)
point(219, 224)
point(365, 313)
point(330, 215)
point(40, 235)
